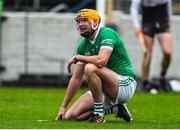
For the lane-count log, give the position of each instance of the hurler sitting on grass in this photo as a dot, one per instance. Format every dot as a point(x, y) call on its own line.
point(102, 58)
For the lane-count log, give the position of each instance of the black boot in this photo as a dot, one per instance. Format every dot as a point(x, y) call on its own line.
point(165, 85)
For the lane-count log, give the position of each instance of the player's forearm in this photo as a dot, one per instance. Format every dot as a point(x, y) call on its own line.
point(73, 86)
point(95, 59)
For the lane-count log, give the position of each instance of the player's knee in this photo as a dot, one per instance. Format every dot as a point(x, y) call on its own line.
point(147, 54)
point(147, 57)
point(71, 116)
point(90, 69)
point(68, 116)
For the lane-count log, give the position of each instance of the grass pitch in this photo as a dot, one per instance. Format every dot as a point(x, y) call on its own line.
point(37, 107)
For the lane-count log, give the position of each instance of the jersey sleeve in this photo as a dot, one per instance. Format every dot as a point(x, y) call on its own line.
point(108, 39)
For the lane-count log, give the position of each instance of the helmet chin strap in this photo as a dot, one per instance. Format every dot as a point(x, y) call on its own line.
point(92, 26)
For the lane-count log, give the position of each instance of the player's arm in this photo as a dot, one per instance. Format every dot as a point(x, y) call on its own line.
point(74, 84)
point(72, 88)
point(134, 11)
point(170, 10)
point(100, 60)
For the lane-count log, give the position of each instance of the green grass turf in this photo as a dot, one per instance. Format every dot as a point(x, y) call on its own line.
point(37, 108)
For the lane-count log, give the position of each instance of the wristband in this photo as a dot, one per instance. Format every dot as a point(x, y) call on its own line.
point(75, 60)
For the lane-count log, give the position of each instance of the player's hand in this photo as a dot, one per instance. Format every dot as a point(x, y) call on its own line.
point(140, 36)
point(70, 62)
point(61, 114)
point(138, 32)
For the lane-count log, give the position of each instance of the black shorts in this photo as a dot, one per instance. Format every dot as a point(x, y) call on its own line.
point(155, 19)
point(154, 27)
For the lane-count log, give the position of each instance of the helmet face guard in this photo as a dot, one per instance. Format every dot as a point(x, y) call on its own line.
point(89, 15)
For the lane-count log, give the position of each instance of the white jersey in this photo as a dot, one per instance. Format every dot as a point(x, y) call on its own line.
point(136, 4)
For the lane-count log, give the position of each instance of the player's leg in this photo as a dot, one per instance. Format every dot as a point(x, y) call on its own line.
point(127, 86)
point(165, 41)
point(145, 85)
point(107, 80)
point(111, 86)
point(147, 56)
point(97, 79)
point(111, 83)
point(102, 80)
point(148, 30)
point(166, 45)
point(81, 109)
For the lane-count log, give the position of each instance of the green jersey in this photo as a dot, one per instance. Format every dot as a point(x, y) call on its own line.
point(119, 61)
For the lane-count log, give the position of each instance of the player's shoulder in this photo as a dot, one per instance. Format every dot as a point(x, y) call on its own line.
point(106, 29)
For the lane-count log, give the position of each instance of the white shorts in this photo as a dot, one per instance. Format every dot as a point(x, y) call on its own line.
point(127, 87)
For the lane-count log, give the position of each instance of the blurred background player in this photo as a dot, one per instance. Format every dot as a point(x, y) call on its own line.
point(102, 58)
point(155, 20)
